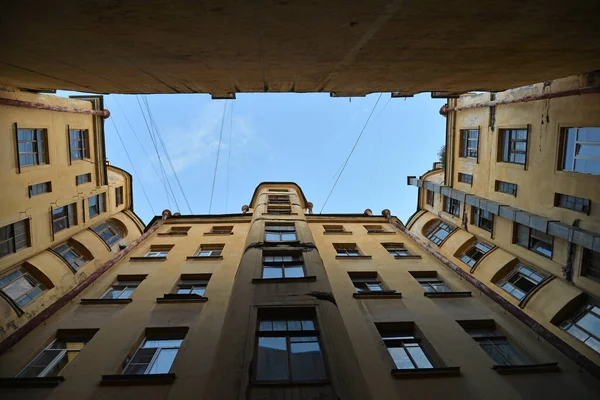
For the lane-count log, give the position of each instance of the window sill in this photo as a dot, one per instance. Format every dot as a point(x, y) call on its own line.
point(381, 233)
point(290, 384)
point(277, 242)
point(203, 258)
point(526, 369)
point(135, 380)
point(510, 164)
point(384, 294)
point(284, 214)
point(171, 234)
point(439, 295)
point(412, 256)
point(337, 233)
point(23, 383)
point(353, 257)
point(105, 301)
point(147, 259)
point(426, 372)
point(217, 234)
point(181, 298)
point(310, 278)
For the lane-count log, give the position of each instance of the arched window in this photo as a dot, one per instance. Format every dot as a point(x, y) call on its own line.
point(437, 231)
point(110, 231)
point(73, 253)
point(23, 284)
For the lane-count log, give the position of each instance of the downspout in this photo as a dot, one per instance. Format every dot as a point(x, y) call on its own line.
point(42, 106)
point(64, 300)
point(534, 97)
point(542, 331)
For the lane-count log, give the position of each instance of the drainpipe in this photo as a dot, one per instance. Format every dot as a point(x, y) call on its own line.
point(542, 331)
point(533, 97)
point(42, 106)
point(64, 300)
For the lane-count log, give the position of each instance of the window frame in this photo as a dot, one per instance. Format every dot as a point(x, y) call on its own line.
point(363, 282)
point(586, 264)
point(517, 274)
point(99, 203)
point(71, 248)
point(36, 285)
point(430, 197)
point(569, 322)
point(39, 145)
point(79, 179)
point(156, 354)
point(562, 201)
point(211, 248)
point(531, 238)
point(467, 179)
point(222, 231)
point(478, 215)
point(333, 229)
point(467, 256)
point(431, 281)
point(114, 228)
point(347, 250)
point(296, 261)
point(450, 204)
point(396, 250)
point(436, 227)
point(118, 196)
point(34, 190)
point(279, 209)
point(200, 281)
point(486, 332)
point(78, 144)
point(58, 216)
point(563, 148)
point(123, 283)
point(11, 236)
point(467, 151)
point(499, 187)
point(512, 143)
point(158, 251)
point(275, 229)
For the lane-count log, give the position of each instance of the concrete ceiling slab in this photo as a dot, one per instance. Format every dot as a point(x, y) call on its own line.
point(346, 47)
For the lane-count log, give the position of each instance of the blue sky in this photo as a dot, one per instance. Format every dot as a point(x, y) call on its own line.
point(303, 138)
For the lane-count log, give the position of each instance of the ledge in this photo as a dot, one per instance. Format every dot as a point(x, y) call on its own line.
point(353, 257)
point(290, 384)
point(426, 372)
point(526, 369)
point(134, 380)
point(181, 298)
point(337, 233)
point(217, 234)
point(23, 383)
point(310, 278)
point(384, 294)
point(267, 213)
point(106, 301)
point(437, 295)
point(147, 259)
point(203, 258)
point(413, 256)
point(381, 233)
point(171, 234)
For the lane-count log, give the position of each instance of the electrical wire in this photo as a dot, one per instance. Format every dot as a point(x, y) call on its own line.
point(153, 123)
point(351, 152)
point(229, 156)
point(212, 191)
point(132, 166)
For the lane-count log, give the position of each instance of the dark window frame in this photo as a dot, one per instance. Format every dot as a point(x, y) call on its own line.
point(397, 250)
point(76, 260)
point(40, 188)
point(115, 231)
point(506, 187)
point(465, 178)
point(347, 250)
point(96, 205)
point(467, 137)
point(522, 273)
point(118, 196)
point(564, 147)
point(176, 339)
point(79, 179)
point(214, 250)
point(66, 213)
point(39, 146)
point(9, 234)
point(281, 230)
point(579, 332)
point(364, 282)
point(405, 336)
point(430, 197)
point(435, 228)
point(495, 344)
point(79, 144)
point(21, 272)
point(482, 219)
point(508, 143)
point(269, 260)
point(590, 261)
point(473, 254)
point(533, 236)
point(452, 206)
point(573, 203)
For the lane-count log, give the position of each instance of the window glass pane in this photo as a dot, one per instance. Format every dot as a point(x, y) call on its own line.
point(308, 326)
point(590, 323)
point(578, 333)
point(294, 325)
point(400, 358)
point(272, 272)
point(35, 368)
point(272, 236)
point(125, 294)
point(163, 362)
point(265, 326)
point(593, 343)
point(272, 359)
point(279, 326)
point(294, 272)
point(18, 288)
point(419, 356)
point(307, 363)
point(288, 236)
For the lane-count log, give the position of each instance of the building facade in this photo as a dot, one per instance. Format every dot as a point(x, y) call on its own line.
point(64, 210)
point(516, 206)
point(279, 303)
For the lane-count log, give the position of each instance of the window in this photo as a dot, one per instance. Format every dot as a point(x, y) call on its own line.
point(495, 344)
point(465, 178)
point(469, 139)
point(512, 146)
point(438, 231)
point(521, 281)
point(57, 355)
point(158, 251)
point(590, 264)
point(334, 229)
point(221, 230)
point(580, 150)
point(505, 187)
point(40, 188)
point(572, 203)
point(279, 199)
point(32, 147)
point(211, 250)
point(482, 219)
point(346, 250)
point(534, 240)
point(280, 233)
point(431, 282)
point(193, 284)
point(119, 196)
point(288, 348)
point(20, 286)
point(452, 206)
point(122, 288)
point(278, 190)
point(374, 229)
point(397, 250)
point(585, 326)
point(404, 346)
point(78, 144)
point(282, 265)
point(155, 355)
point(14, 237)
point(64, 217)
point(84, 178)
point(366, 282)
point(430, 197)
point(177, 231)
point(279, 209)
point(96, 205)
point(475, 253)
point(109, 232)
point(70, 254)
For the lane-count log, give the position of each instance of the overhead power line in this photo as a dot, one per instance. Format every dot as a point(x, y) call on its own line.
point(212, 191)
point(351, 152)
point(229, 156)
point(153, 122)
point(133, 166)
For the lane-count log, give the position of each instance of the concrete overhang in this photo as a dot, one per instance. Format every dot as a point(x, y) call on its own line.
point(336, 46)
